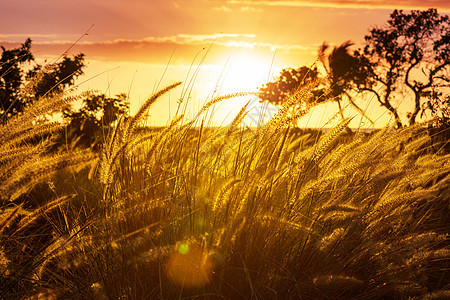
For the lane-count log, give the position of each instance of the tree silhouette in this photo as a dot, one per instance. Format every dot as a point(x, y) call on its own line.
point(18, 88)
point(54, 78)
point(11, 78)
point(345, 74)
point(290, 80)
point(41, 80)
point(88, 125)
point(412, 50)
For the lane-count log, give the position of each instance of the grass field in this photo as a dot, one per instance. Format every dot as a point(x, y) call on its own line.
point(189, 212)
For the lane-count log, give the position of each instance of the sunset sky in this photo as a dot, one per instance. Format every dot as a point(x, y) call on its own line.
point(135, 39)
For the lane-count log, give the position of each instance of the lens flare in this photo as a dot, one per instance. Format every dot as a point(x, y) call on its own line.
point(189, 266)
point(183, 248)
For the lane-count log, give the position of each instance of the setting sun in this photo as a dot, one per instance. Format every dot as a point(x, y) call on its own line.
point(246, 72)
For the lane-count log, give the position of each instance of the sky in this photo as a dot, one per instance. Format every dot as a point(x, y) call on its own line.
point(214, 46)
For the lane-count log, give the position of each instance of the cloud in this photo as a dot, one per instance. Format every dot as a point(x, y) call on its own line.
point(158, 50)
point(20, 36)
point(443, 5)
point(193, 38)
point(251, 9)
point(244, 9)
point(223, 9)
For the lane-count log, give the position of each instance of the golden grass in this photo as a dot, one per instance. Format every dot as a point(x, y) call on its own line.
point(233, 213)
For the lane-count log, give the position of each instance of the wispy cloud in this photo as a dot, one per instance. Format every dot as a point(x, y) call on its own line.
point(157, 50)
point(18, 36)
point(242, 9)
point(251, 9)
point(400, 4)
point(200, 38)
point(223, 8)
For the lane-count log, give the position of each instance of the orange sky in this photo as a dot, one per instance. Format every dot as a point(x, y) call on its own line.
point(139, 37)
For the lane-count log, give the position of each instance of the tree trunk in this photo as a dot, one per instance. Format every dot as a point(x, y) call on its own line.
point(388, 105)
point(415, 112)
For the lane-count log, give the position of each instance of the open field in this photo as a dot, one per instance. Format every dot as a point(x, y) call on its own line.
point(224, 213)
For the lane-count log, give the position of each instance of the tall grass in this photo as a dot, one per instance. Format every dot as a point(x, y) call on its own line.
point(30, 227)
point(231, 212)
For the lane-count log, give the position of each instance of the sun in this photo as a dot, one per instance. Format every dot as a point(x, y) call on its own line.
point(246, 72)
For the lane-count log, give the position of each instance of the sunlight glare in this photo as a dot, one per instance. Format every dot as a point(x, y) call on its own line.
point(246, 72)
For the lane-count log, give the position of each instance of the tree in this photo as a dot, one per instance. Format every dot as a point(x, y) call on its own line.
point(290, 80)
point(54, 78)
point(94, 119)
point(345, 74)
point(11, 78)
point(42, 80)
point(19, 88)
point(412, 50)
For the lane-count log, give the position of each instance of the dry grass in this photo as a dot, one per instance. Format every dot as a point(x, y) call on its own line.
point(238, 213)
